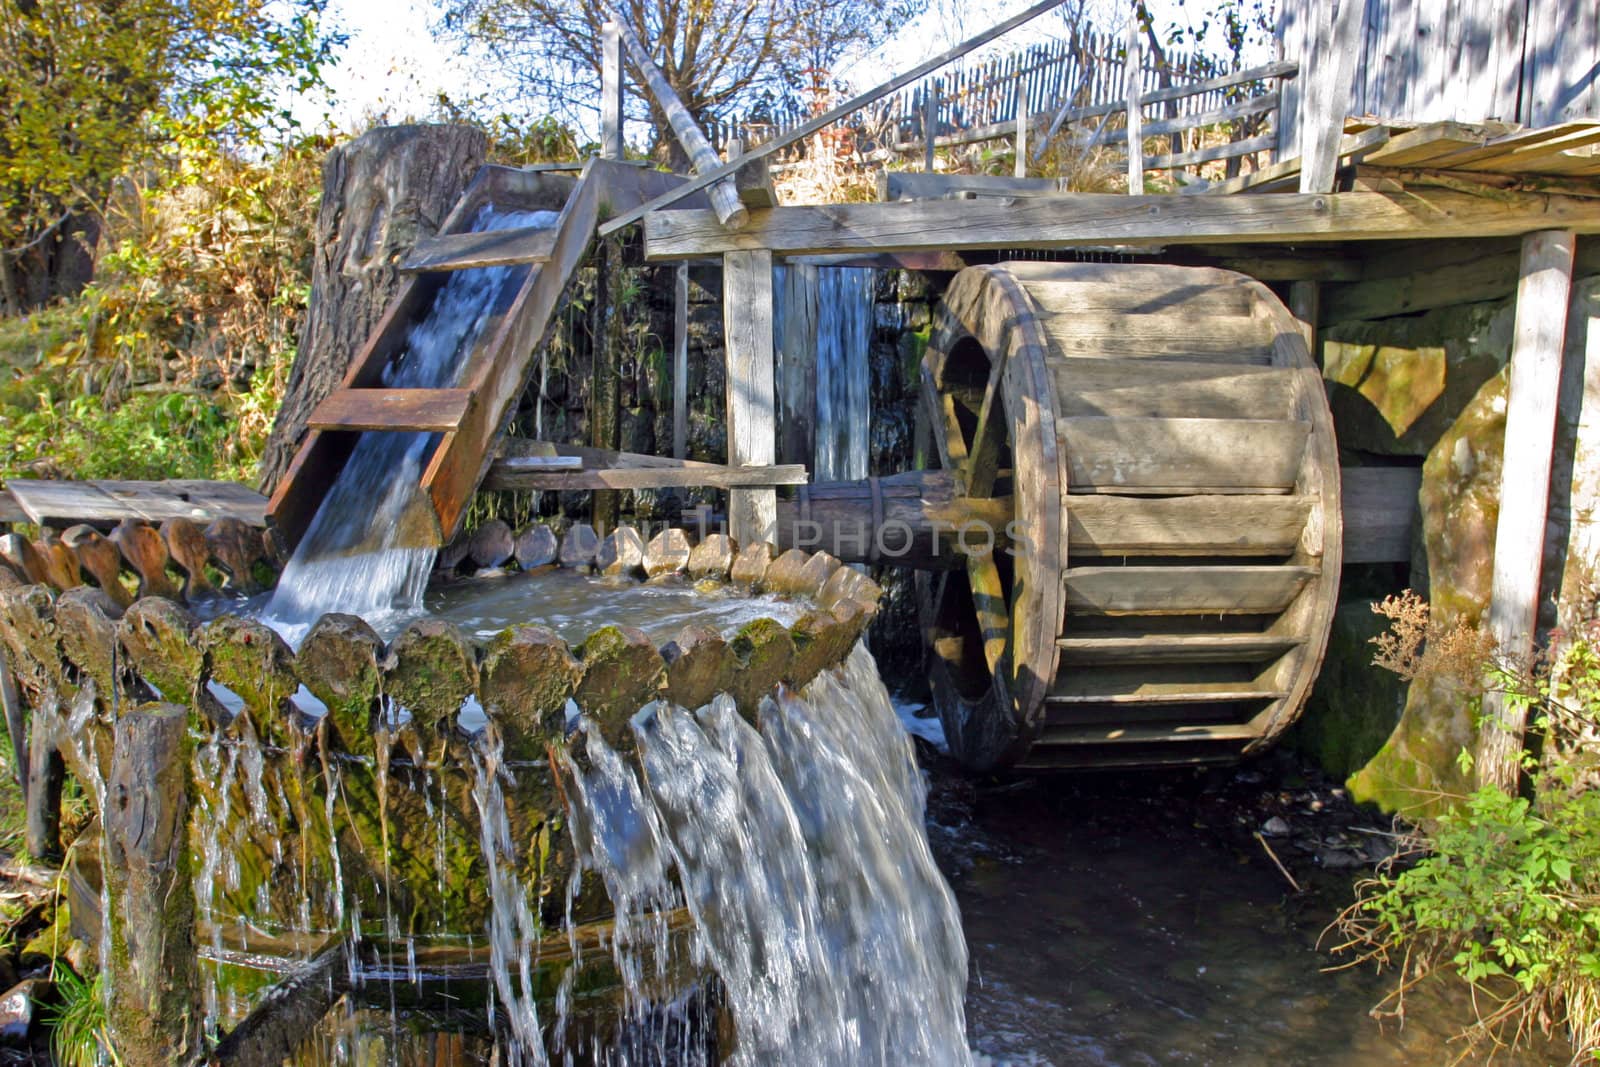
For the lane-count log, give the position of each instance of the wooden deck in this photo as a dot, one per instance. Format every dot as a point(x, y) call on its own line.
point(106, 503)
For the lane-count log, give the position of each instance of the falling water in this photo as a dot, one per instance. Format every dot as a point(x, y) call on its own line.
point(351, 559)
point(844, 378)
point(802, 859)
point(823, 315)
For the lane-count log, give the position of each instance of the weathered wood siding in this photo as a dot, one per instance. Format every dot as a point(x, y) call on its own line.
point(1536, 62)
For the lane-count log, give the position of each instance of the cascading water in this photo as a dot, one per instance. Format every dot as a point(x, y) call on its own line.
point(350, 559)
point(802, 859)
point(825, 313)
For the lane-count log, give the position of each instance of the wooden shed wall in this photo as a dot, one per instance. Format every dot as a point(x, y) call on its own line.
point(1536, 62)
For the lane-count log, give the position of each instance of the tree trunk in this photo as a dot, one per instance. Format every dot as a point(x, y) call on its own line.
point(381, 193)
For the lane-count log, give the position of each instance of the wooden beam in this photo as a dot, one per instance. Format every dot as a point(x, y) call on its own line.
point(430, 410)
point(1380, 510)
point(752, 430)
point(611, 91)
point(1540, 334)
point(680, 361)
point(1227, 150)
point(829, 117)
point(1102, 218)
point(1305, 304)
point(930, 122)
point(1327, 97)
point(724, 197)
point(517, 474)
point(485, 248)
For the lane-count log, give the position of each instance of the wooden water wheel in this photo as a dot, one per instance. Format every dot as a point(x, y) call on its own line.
point(1166, 441)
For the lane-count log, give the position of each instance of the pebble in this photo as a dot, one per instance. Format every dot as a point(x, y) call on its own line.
point(1275, 827)
point(18, 1011)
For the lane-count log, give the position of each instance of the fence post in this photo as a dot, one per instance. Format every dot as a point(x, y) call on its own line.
point(930, 123)
point(1135, 118)
point(611, 91)
point(1022, 127)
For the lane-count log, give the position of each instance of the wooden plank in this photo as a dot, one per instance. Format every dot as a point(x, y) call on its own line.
point(1201, 299)
point(485, 248)
point(107, 502)
point(1100, 687)
point(429, 410)
point(1506, 150)
point(1381, 514)
point(1255, 105)
point(1182, 455)
point(1116, 734)
point(1490, 272)
point(1157, 388)
point(1214, 590)
point(680, 360)
point(1148, 649)
point(1234, 340)
point(511, 474)
point(912, 185)
point(10, 510)
point(1436, 140)
point(751, 412)
point(829, 117)
point(1352, 145)
point(1229, 150)
point(597, 457)
point(1098, 218)
point(1105, 525)
point(1536, 353)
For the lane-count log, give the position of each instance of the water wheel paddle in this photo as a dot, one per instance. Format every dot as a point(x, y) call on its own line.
point(1165, 438)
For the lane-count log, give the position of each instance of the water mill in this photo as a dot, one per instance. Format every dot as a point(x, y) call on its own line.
point(976, 571)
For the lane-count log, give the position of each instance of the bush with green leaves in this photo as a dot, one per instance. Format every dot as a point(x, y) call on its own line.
point(1505, 896)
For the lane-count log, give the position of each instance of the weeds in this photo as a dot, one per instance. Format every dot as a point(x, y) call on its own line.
point(79, 1035)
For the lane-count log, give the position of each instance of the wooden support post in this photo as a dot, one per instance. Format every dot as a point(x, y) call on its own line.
point(1131, 72)
point(680, 361)
point(797, 366)
point(1540, 334)
point(1327, 97)
point(603, 391)
point(930, 123)
point(46, 775)
point(724, 197)
point(16, 722)
point(155, 1015)
point(747, 331)
point(611, 91)
point(1305, 304)
point(1021, 168)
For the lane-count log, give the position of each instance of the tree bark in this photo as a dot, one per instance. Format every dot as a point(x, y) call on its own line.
point(381, 193)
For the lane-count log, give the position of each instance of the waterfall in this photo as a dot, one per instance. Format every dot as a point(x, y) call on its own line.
point(822, 325)
point(800, 854)
point(351, 559)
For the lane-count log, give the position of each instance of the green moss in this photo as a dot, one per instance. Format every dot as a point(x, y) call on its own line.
point(622, 671)
point(431, 671)
point(764, 651)
point(1354, 705)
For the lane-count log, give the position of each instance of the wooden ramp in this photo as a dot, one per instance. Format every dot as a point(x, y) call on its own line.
point(471, 415)
point(1166, 446)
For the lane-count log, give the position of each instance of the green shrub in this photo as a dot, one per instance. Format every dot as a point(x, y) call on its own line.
point(1506, 895)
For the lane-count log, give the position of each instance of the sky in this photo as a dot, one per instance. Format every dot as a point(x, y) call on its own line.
point(394, 67)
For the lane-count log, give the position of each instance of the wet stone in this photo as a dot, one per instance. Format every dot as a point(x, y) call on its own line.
point(847, 583)
point(621, 554)
point(27, 617)
point(23, 558)
point(667, 553)
point(19, 1010)
point(338, 662)
point(455, 553)
point(237, 547)
point(528, 675)
point(815, 574)
point(764, 651)
point(535, 547)
point(713, 557)
point(821, 640)
point(622, 670)
point(157, 635)
point(700, 664)
point(750, 566)
point(787, 574)
point(579, 546)
point(492, 544)
point(431, 670)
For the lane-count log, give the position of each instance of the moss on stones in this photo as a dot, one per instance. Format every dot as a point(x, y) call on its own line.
point(764, 651)
point(339, 663)
point(622, 670)
point(430, 671)
point(157, 636)
point(527, 677)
